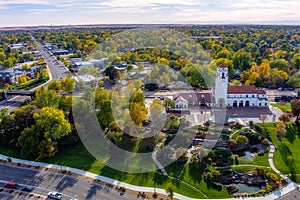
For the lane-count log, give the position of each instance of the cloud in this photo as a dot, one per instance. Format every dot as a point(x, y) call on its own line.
point(157, 11)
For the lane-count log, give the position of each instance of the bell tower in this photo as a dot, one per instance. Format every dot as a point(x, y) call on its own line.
point(221, 86)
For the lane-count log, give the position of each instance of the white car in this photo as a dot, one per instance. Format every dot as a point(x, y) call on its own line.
point(54, 195)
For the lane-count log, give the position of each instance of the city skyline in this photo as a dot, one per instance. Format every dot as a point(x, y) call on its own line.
point(71, 12)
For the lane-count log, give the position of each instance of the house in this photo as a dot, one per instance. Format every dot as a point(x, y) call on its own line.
point(32, 71)
point(224, 95)
point(86, 79)
point(60, 52)
point(78, 63)
point(7, 77)
point(184, 100)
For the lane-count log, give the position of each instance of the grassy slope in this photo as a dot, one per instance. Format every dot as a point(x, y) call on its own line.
point(289, 146)
point(79, 157)
point(283, 108)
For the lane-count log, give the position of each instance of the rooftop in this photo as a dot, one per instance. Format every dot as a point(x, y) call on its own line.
point(245, 89)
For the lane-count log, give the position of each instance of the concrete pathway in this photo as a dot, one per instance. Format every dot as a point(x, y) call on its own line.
point(274, 195)
point(270, 159)
point(159, 165)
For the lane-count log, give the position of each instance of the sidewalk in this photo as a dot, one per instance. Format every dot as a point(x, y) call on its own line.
point(276, 194)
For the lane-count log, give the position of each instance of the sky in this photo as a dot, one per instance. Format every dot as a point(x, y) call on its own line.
point(67, 12)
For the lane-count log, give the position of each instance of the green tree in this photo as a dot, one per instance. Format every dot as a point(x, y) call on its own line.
point(69, 85)
point(55, 85)
point(29, 142)
point(296, 59)
point(280, 64)
point(103, 104)
point(278, 77)
point(157, 116)
point(112, 73)
point(169, 103)
point(241, 139)
point(52, 123)
point(281, 129)
point(170, 190)
point(294, 80)
point(2, 56)
point(138, 113)
point(8, 63)
point(88, 71)
point(295, 104)
point(242, 60)
point(46, 149)
point(3, 113)
point(46, 98)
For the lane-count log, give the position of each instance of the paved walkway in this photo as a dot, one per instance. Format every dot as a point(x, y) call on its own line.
point(270, 159)
point(276, 194)
point(159, 165)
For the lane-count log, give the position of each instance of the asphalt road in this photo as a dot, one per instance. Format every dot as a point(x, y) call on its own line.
point(57, 69)
point(12, 103)
point(69, 186)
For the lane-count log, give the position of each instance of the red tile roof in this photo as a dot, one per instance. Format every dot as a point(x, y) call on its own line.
point(222, 66)
point(245, 89)
point(196, 97)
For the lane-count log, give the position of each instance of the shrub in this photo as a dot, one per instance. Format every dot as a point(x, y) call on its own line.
point(284, 118)
point(262, 192)
point(290, 159)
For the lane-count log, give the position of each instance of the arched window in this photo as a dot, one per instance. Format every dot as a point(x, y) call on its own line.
point(235, 103)
point(247, 104)
point(241, 104)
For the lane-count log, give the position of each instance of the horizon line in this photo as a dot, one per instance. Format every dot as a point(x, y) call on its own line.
point(150, 24)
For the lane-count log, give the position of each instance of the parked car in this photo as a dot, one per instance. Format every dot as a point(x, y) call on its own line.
point(54, 195)
point(26, 188)
point(277, 99)
point(11, 185)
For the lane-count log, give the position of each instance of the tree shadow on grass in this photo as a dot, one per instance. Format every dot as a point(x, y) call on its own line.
point(213, 186)
point(285, 153)
point(195, 171)
point(291, 133)
point(159, 179)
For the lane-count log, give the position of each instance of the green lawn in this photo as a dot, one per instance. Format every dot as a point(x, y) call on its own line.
point(10, 152)
point(78, 157)
point(283, 108)
point(289, 146)
point(257, 160)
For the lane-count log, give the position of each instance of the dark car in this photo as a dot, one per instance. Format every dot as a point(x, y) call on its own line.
point(26, 188)
point(11, 185)
point(277, 99)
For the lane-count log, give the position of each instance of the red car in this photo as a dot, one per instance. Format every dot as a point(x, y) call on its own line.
point(11, 185)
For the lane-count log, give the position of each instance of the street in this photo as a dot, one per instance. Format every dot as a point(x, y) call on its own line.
point(57, 69)
point(69, 186)
point(12, 103)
